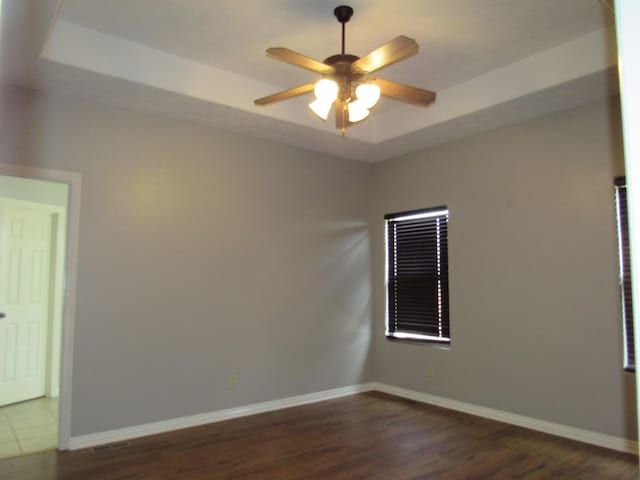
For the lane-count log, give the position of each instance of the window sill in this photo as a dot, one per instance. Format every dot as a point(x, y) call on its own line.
point(444, 344)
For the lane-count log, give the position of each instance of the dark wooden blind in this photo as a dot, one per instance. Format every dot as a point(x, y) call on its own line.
point(625, 272)
point(418, 275)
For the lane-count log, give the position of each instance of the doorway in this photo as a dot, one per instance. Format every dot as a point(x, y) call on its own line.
point(38, 245)
point(32, 246)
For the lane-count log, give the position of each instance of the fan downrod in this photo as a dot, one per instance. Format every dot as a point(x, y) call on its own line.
point(343, 13)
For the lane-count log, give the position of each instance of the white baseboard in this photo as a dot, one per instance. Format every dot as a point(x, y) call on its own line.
point(120, 434)
point(586, 436)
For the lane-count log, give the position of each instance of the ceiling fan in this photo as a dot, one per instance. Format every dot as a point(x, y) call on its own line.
point(345, 83)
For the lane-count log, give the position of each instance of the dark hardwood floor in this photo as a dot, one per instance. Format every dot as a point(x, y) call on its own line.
point(366, 436)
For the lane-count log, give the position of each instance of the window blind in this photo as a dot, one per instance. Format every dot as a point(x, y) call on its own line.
point(418, 275)
point(625, 272)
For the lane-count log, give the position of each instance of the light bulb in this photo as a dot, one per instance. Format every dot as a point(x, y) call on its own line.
point(326, 90)
point(357, 111)
point(321, 108)
point(368, 94)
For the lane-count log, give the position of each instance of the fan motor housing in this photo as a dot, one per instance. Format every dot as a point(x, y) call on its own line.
point(333, 60)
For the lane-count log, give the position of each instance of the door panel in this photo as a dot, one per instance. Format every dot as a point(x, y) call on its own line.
point(25, 264)
point(13, 277)
point(9, 340)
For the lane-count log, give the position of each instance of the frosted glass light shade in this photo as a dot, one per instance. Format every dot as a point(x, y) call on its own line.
point(326, 90)
point(321, 108)
point(368, 94)
point(357, 111)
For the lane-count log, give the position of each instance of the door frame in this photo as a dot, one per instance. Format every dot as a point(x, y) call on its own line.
point(73, 180)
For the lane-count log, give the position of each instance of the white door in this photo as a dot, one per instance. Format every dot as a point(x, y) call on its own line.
point(25, 262)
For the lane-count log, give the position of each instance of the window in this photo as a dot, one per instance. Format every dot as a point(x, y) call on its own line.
point(625, 272)
point(417, 275)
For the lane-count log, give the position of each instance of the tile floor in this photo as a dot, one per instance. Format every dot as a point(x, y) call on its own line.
point(28, 427)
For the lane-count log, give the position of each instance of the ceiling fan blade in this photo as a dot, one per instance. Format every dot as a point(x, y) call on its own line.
point(294, 58)
point(397, 49)
point(405, 93)
point(286, 94)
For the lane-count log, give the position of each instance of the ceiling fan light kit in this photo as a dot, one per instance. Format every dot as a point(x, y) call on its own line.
point(344, 84)
point(368, 94)
point(321, 109)
point(357, 111)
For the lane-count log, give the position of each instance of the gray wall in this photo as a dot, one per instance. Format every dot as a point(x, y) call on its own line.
point(535, 316)
point(205, 254)
point(202, 254)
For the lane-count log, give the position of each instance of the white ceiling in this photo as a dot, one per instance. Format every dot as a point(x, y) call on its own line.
point(492, 62)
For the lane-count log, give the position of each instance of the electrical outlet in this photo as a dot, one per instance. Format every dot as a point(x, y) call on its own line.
point(429, 372)
point(232, 381)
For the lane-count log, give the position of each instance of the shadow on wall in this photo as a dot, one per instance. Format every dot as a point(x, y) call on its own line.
point(23, 31)
point(342, 284)
point(629, 406)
